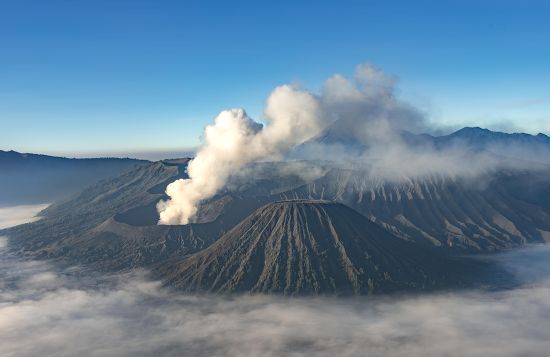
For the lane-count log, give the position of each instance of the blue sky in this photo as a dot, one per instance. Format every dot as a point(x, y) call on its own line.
point(116, 77)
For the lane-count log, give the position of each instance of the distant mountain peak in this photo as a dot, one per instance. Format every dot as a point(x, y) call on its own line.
point(474, 128)
point(482, 136)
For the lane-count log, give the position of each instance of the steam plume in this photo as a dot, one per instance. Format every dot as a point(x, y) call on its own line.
point(293, 116)
point(234, 140)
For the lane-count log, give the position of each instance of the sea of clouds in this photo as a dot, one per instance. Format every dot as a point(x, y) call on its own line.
point(45, 310)
point(12, 216)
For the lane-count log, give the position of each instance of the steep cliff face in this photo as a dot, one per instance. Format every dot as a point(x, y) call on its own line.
point(312, 247)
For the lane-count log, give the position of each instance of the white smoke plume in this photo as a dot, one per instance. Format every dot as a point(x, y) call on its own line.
point(234, 140)
point(361, 121)
point(292, 117)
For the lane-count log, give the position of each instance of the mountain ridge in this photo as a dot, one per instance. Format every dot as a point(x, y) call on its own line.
point(34, 178)
point(468, 138)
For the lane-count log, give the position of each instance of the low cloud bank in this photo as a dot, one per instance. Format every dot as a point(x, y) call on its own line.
point(12, 216)
point(69, 313)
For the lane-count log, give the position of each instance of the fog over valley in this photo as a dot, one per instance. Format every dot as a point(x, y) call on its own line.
point(71, 311)
point(15, 215)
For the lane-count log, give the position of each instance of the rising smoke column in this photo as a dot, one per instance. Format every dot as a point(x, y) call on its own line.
point(366, 109)
point(235, 140)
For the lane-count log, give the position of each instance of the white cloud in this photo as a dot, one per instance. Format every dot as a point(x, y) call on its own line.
point(235, 140)
point(64, 314)
point(12, 216)
point(367, 108)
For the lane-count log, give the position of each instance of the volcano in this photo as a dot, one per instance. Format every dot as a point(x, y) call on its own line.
point(313, 247)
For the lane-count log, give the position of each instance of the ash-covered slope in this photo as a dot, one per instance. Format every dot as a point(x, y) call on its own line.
point(112, 225)
point(313, 247)
point(485, 213)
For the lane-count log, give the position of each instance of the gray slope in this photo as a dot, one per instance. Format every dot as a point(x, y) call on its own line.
point(487, 213)
point(86, 228)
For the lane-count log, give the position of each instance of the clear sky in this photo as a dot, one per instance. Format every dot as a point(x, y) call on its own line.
point(115, 77)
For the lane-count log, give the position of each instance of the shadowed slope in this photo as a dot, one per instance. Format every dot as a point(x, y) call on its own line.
point(32, 178)
point(301, 247)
